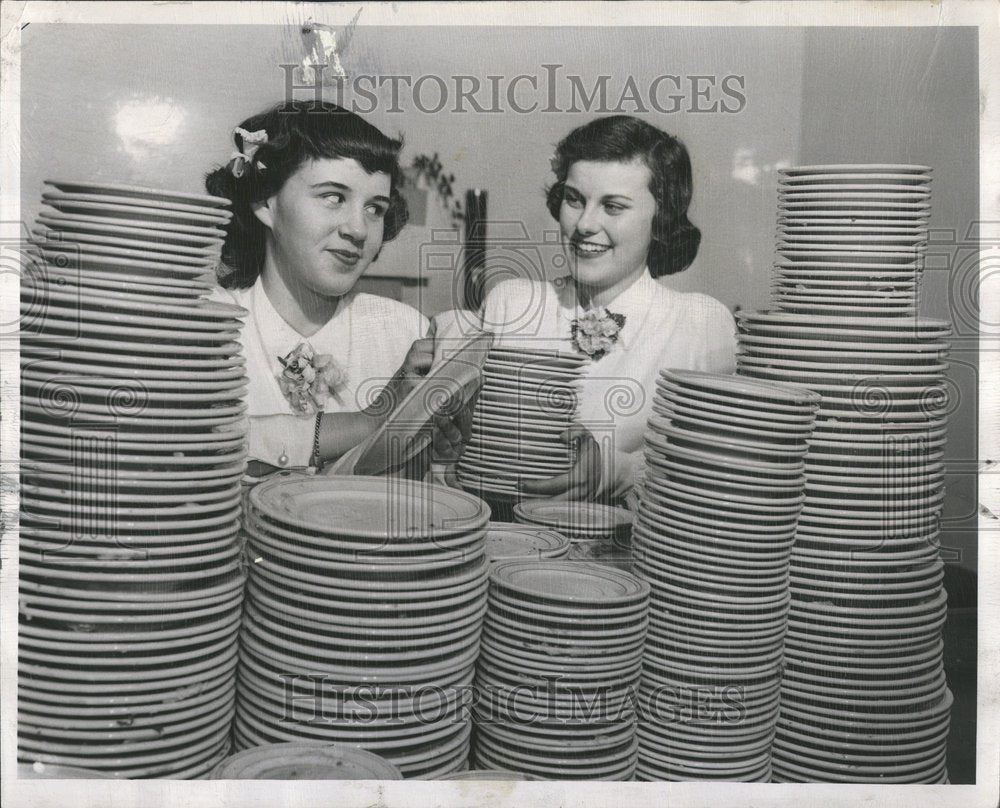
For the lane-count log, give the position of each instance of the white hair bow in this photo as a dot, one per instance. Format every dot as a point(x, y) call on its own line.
point(239, 160)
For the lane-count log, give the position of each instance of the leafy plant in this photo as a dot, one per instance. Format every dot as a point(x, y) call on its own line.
point(430, 169)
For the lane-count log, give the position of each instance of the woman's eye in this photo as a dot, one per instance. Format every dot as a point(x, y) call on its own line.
point(573, 201)
point(334, 198)
point(378, 211)
point(613, 208)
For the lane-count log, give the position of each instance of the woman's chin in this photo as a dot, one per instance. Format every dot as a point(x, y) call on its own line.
point(339, 284)
point(594, 271)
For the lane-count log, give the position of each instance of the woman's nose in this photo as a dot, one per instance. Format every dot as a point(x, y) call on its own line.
point(587, 224)
point(354, 228)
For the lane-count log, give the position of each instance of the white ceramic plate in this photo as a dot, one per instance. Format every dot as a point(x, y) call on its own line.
point(183, 233)
point(138, 191)
point(368, 506)
point(67, 252)
point(167, 290)
point(60, 237)
point(131, 211)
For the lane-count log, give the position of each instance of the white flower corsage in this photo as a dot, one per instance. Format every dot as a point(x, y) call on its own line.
point(596, 331)
point(307, 378)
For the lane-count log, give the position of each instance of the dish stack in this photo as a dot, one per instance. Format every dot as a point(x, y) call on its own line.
point(506, 541)
point(528, 398)
point(712, 538)
point(363, 614)
point(851, 239)
point(132, 450)
point(598, 533)
point(864, 697)
point(560, 657)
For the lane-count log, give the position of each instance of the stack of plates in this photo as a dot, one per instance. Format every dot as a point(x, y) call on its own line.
point(305, 761)
point(560, 657)
point(851, 239)
point(863, 694)
point(713, 537)
point(362, 618)
point(121, 238)
point(527, 400)
point(867, 600)
point(133, 447)
point(506, 541)
point(599, 533)
point(133, 678)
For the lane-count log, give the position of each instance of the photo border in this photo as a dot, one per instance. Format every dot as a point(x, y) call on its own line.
point(981, 14)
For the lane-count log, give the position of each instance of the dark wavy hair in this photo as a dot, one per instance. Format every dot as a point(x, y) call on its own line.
point(622, 138)
point(297, 131)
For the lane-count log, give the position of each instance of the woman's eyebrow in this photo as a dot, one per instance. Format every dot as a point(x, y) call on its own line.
point(604, 198)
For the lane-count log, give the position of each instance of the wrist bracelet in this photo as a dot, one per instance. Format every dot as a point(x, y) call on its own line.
point(316, 459)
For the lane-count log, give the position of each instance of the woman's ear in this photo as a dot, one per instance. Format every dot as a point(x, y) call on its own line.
point(264, 211)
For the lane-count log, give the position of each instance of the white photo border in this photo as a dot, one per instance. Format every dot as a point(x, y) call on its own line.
point(982, 14)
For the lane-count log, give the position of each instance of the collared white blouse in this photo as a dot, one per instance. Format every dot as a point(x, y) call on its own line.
point(663, 329)
point(368, 338)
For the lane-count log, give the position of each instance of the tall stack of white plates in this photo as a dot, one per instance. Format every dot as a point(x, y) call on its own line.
point(527, 400)
point(851, 239)
point(123, 238)
point(560, 658)
point(713, 538)
point(864, 697)
point(133, 446)
point(363, 614)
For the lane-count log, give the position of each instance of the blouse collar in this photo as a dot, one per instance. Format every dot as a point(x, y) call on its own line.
point(633, 302)
point(277, 336)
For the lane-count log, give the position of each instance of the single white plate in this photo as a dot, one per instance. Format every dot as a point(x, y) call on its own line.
point(193, 233)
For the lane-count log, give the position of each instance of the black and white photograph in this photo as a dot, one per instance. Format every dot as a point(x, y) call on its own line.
point(557, 404)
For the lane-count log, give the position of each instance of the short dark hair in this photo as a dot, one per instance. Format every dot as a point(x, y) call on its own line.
point(623, 138)
point(297, 131)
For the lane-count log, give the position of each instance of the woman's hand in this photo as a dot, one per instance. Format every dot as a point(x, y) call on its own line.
point(451, 431)
point(415, 366)
point(583, 481)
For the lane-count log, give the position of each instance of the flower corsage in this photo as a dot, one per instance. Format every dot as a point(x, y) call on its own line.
point(596, 331)
point(308, 378)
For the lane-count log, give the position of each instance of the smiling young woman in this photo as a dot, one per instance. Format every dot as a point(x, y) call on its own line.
point(315, 195)
point(621, 197)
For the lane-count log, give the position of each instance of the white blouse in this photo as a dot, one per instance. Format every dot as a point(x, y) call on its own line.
point(368, 338)
point(663, 329)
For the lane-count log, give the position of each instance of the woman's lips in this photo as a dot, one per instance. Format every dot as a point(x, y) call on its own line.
point(346, 256)
point(587, 249)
